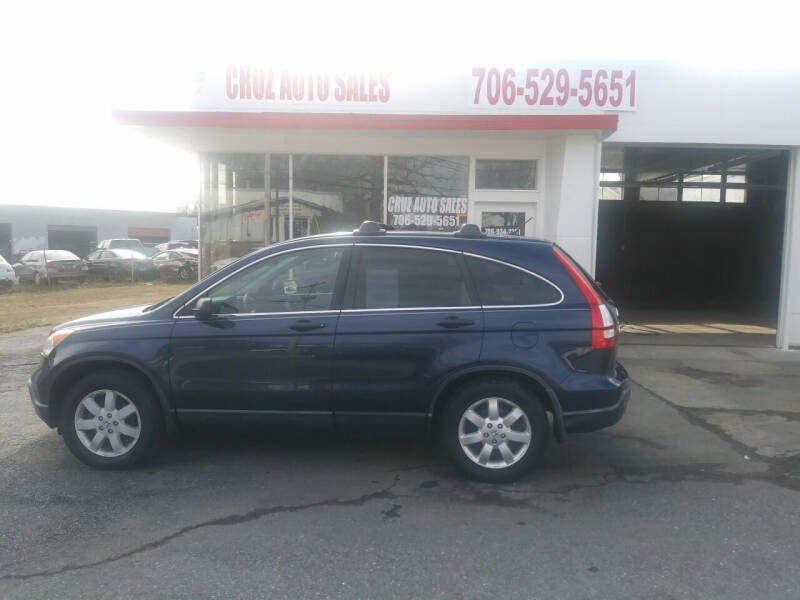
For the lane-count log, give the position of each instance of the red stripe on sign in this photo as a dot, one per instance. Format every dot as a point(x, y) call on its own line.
point(607, 122)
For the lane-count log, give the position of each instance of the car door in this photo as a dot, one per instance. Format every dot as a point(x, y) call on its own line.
point(23, 268)
point(161, 263)
point(35, 263)
point(268, 346)
point(174, 263)
point(409, 319)
point(97, 266)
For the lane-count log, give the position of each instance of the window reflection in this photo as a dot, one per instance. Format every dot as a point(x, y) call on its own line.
point(232, 208)
point(505, 174)
point(427, 192)
point(334, 193)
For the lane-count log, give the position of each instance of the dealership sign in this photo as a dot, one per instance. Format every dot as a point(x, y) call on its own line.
point(476, 90)
point(426, 213)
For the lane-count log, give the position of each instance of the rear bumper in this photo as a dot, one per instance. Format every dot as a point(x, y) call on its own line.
point(592, 419)
point(79, 274)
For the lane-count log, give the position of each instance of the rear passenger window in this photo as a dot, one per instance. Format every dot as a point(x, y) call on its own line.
point(408, 278)
point(501, 285)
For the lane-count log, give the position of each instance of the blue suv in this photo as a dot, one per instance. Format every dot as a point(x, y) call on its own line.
point(489, 343)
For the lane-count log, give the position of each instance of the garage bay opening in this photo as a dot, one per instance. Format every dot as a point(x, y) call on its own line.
point(690, 242)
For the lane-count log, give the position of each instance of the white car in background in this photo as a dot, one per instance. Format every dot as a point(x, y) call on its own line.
point(7, 276)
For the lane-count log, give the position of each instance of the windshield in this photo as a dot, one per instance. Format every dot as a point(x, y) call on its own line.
point(129, 244)
point(60, 255)
point(129, 254)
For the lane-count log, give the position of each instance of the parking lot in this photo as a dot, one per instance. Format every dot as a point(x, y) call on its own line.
point(694, 494)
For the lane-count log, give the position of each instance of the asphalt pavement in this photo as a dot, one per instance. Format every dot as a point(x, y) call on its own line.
point(695, 494)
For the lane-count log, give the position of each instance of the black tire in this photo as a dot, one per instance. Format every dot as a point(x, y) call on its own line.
point(508, 391)
point(184, 274)
point(138, 393)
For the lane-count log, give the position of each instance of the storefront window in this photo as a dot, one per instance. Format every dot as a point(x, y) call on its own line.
point(427, 193)
point(252, 200)
point(503, 223)
point(335, 193)
point(278, 198)
point(505, 174)
point(232, 209)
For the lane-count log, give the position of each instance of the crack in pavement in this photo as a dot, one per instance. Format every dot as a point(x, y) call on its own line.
point(650, 475)
point(781, 471)
point(234, 519)
point(634, 438)
point(749, 412)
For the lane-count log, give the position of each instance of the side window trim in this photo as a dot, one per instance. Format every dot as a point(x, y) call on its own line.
point(524, 270)
point(179, 312)
point(355, 262)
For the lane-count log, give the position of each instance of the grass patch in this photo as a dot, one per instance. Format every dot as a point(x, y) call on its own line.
point(29, 306)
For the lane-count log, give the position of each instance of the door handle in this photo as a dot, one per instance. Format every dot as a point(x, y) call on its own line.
point(306, 325)
point(454, 322)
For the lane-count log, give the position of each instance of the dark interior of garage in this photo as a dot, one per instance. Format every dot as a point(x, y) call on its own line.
point(694, 229)
point(5, 240)
point(78, 240)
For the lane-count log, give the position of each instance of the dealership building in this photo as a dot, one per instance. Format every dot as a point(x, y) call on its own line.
point(678, 188)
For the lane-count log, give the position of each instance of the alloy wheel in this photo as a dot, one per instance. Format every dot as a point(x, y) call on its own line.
point(494, 433)
point(107, 423)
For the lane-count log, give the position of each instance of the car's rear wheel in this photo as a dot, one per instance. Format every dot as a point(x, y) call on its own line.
point(184, 274)
point(110, 420)
point(495, 430)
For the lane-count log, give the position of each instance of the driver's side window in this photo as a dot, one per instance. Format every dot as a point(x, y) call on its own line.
point(301, 280)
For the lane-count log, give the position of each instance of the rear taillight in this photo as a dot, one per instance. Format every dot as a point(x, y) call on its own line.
point(604, 329)
point(84, 263)
point(50, 265)
point(124, 261)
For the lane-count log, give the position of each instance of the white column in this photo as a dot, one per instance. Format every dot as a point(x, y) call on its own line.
point(789, 307)
point(571, 199)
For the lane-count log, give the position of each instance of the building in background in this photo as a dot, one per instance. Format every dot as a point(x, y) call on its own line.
point(26, 228)
point(678, 188)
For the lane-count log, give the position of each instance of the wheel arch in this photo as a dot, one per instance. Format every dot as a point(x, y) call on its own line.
point(78, 369)
point(529, 379)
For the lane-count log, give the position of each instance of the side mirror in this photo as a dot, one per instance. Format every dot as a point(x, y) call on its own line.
point(203, 309)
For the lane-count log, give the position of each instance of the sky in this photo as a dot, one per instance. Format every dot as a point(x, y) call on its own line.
point(67, 65)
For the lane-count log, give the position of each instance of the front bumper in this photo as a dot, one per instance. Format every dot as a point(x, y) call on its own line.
point(592, 419)
point(37, 389)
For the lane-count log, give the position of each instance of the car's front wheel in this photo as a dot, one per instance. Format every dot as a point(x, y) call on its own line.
point(495, 430)
point(110, 420)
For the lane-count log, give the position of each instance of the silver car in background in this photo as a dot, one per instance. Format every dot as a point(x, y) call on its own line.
point(50, 266)
point(8, 277)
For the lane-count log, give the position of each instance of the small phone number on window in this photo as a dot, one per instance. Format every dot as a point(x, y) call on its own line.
point(417, 220)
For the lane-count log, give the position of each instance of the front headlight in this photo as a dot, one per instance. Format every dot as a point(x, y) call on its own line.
point(54, 339)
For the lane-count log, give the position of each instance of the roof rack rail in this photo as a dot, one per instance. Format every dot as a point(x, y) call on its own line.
point(372, 228)
point(469, 230)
